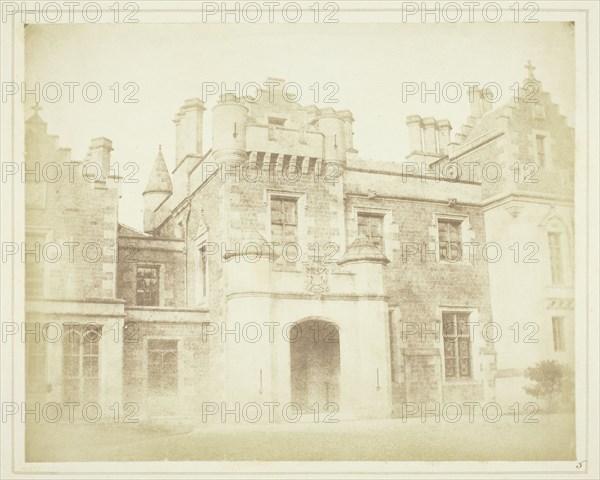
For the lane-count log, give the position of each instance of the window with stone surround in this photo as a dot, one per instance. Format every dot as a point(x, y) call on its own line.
point(556, 257)
point(558, 333)
point(284, 220)
point(147, 286)
point(450, 239)
point(162, 366)
point(457, 345)
point(80, 362)
point(540, 145)
point(371, 225)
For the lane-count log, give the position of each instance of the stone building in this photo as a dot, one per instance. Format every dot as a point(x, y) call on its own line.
point(278, 266)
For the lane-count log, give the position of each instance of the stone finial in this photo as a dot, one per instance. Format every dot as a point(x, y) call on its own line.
point(530, 68)
point(36, 118)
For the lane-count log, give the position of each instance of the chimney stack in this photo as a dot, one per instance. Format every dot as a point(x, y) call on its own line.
point(415, 137)
point(188, 129)
point(346, 115)
point(428, 138)
point(429, 135)
point(99, 153)
point(444, 129)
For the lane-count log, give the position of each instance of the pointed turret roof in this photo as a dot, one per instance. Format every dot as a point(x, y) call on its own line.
point(160, 180)
point(362, 250)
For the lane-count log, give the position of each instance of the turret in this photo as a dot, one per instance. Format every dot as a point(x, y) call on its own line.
point(229, 127)
point(331, 125)
point(159, 187)
point(366, 261)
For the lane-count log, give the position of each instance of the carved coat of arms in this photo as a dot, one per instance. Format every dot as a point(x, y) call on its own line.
point(317, 277)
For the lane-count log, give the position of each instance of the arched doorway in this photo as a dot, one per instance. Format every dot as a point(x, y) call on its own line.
point(314, 364)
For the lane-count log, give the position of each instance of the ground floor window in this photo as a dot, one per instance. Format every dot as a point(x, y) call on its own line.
point(80, 362)
point(162, 366)
point(457, 344)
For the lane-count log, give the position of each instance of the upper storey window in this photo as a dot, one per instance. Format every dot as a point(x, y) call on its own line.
point(284, 220)
point(540, 143)
point(371, 226)
point(450, 239)
point(147, 292)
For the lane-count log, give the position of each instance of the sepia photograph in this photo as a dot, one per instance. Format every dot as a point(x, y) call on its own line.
point(299, 240)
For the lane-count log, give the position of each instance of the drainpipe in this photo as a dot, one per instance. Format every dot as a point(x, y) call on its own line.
point(186, 251)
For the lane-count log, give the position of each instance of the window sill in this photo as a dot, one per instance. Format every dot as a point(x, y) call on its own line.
point(470, 381)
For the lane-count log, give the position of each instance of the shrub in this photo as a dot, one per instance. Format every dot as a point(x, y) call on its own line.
point(553, 385)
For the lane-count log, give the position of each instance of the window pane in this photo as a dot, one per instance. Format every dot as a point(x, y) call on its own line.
point(450, 239)
point(71, 366)
point(371, 226)
point(457, 344)
point(443, 232)
point(462, 320)
point(449, 326)
point(465, 367)
point(290, 212)
point(147, 286)
point(276, 211)
point(80, 362)
point(289, 234)
point(162, 366)
point(450, 367)
point(284, 220)
point(363, 230)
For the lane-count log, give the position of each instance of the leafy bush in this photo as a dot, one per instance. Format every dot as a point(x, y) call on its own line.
point(553, 384)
